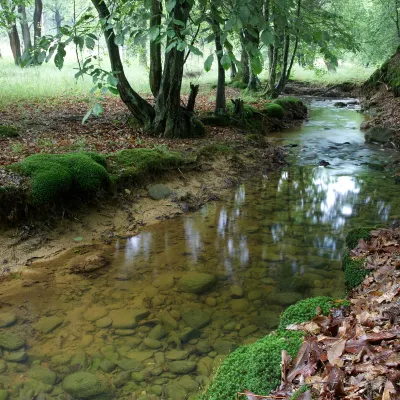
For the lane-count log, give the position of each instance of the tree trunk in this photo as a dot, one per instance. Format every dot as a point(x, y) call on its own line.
point(245, 62)
point(194, 90)
point(37, 19)
point(253, 79)
point(15, 44)
point(155, 49)
point(233, 71)
point(140, 108)
point(172, 120)
point(26, 34)
point(220, 99)
point(58, 20)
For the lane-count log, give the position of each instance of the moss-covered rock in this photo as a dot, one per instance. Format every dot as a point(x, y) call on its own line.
point(238, 84)
point(8, 131)
point(42, 374)
point(255, 367)
point(53, 176)
point(84, 385)
point(11, 341)
point(355, 235)
point(378, 134)
point(274, 110)
point(305, 310)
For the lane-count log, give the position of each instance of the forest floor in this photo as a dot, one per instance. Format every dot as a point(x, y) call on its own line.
point(355, 352)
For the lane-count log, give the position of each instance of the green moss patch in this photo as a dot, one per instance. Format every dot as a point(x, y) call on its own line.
point(354, 271)
point(287, 102)
point(8, 131)
point(305, 310)
point(255, 367)
point(58, 176)
point(135, 163)
point(274, 110)
point(355, 235)
point(238, 85)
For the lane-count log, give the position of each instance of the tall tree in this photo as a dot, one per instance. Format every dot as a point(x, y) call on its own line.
point(8, 20)
point(155, 47)
point(26, 33)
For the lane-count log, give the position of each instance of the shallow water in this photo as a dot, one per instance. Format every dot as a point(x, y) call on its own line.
point(277, 240)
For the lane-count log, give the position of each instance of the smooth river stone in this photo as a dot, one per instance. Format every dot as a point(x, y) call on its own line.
point(196, 282)
point(176, 355)
point(196, 319)
point(236, 292)
point(127, 319)
point(181, 367)
point(10, 341)
point(103, 323)
point(164, 282)
point(83, 385)
point(48, 324)
point(152, 343)
point(94, 313)
point(240, 305)
point(7, 319)
point(248, 330)
point(42, 374)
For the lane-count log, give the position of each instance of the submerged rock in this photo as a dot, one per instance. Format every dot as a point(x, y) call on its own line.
point(15, 356)
point(84, 385)
point(11, 341)
point(175, 391)
point(378, 134)
point(196, 319)
point(181, 367)
point(94, 313)
point(48, 324)
point(196, 282)
point(89, 264)
point(42, 374)
point(127, 319)
point(7, 319)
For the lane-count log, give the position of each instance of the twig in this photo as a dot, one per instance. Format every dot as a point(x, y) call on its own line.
point(183, 176)
point(258, 396)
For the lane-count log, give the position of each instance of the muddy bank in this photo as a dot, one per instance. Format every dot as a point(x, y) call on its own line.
point(216, 170)
point(340, 90)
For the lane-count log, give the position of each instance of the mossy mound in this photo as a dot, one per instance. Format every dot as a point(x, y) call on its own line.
point(255, 367)
point(354, 271)
point(287, 102)
point(305, 310)
point(136, 163)
point(8, 131)
point(274, 110)
point(238, 85)
point(248, 110)
point(215, 120)
point(57, 176)
point(355, 235)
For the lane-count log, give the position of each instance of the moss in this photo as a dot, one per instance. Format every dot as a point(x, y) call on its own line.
point(8, 131)
point(136, 163)
point(215, 120)
point(304, 310)
point(238, 85)
point(55, 176)
point(255, 367)
point(254, 138)
point(287, 102)
point(299, 392)
point(215, 148)
point(249, 110)
point(354, 271)
point(355, 235)
point(274, 110)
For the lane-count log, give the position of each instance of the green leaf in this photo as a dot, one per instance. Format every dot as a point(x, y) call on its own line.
point(226, 61)
point(41, 57)
point(170, 47)
point(195, 51)
point(87, 115)
point(257, 64)
point(60, 56)
point(178, 22)
point(98, 109)
point(112, 80)
point(170, 5)
point(113, 90)
point(119, 40)
point(154, 32)
point(267, 37)
point(181, 45)
point(90, 43)
point(208, 62)
point(78, 239)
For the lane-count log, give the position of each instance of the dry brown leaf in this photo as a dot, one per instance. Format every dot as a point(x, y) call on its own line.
point(335, 351)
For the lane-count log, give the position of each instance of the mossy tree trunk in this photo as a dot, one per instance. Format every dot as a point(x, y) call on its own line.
point(253, 42)
point(244, 60)
point(37, 26)
point(26, 34)
point(13, 36)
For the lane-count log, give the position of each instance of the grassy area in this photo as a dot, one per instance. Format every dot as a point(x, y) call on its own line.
point(346, 72)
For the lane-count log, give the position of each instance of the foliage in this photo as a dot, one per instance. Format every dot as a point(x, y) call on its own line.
point(8, 131)
point(299, 392)
point(274, 110)
point(248, 110)
point(54, 176)
point(238, 85)
point(354, 271)
point(305, 310)
point(255, 367)
point(355, 235)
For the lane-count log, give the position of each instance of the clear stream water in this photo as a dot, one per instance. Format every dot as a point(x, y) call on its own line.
point(277, 240)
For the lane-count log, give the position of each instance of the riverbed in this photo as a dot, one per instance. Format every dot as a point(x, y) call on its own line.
point(168, 305)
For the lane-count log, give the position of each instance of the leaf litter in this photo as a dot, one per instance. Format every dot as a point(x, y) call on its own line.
point(354, 353)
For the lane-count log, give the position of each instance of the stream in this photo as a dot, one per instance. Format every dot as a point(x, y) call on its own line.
point(177, 298)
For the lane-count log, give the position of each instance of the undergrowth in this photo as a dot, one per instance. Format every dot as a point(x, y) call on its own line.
point(274, 110)
point(355, 235)
point(8, 131)
point(354, 271)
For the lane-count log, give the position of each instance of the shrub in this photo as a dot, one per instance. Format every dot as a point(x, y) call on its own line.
point(274, 110)
point(8, 131)
point(355, 235)
point(255, 367)
point(354, 271)
point(304, 310)
point(54, 176)
point(287, 102)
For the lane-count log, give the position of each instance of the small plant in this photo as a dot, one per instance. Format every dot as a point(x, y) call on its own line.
point(305, 310)
point(274, 110)
point(355, 235)
point(354, 271)
point(17, 147)
point(8, 131)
